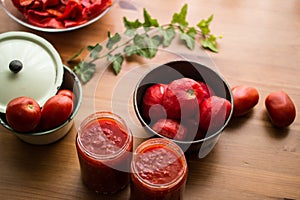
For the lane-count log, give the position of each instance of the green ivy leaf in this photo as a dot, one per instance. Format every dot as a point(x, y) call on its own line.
point(85, 71)
point(145, 45)
point(112, 40)
point(189, 41)
point(210, 43)
point(130, 50)
point(75, 55)
point(204, 25)
point(180, 18)
point(155, 41)
point(117, 61)
point(94, 50)
point(168, 35)
point(149, 21)
point(189, 37)
point(131, 26)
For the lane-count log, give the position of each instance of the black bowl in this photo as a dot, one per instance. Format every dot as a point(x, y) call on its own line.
point(178, 69)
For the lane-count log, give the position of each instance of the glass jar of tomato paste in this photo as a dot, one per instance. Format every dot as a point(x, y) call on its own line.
point(159, 171)
point(104, 146)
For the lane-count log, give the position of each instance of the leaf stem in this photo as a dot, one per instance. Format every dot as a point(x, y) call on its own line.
point(145, 45)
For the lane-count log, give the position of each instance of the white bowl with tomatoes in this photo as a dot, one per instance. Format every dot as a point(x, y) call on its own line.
point(47, 123)
point(186, 102)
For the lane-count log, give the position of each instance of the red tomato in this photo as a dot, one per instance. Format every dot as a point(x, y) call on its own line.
point(152, 100)
point(68, 93)
point(281, 109)
point(182, 98)
point(214, 113)
point(193, 131)
point(23, 114)
point(56, 111)
point(170, 128)
point(208, 92)
point(245, 98)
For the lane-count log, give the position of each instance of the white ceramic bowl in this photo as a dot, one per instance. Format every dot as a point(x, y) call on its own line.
point(71, 82)
point(16, 15)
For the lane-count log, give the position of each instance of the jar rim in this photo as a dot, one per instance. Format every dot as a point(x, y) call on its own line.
point(107, 115)
point(172, 147)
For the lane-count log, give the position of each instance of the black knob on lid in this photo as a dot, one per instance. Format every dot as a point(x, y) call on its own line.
point(15, 66)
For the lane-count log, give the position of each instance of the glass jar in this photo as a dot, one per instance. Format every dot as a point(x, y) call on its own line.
point(159, 171)
point(104, 146)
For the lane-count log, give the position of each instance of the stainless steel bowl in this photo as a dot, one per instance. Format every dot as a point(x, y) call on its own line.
point(71, 82)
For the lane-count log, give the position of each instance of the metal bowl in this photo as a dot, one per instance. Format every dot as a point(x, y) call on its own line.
point(178, 69)
point(71, 82)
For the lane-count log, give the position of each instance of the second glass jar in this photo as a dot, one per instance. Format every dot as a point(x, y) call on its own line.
point(159, 171)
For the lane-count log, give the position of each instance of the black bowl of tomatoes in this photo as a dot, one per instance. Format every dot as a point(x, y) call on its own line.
point(186, 102)
point(51, 121)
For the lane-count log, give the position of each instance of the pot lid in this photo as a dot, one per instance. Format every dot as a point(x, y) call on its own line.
point(29, 66)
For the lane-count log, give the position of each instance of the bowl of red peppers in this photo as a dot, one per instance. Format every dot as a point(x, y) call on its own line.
point(56, 15)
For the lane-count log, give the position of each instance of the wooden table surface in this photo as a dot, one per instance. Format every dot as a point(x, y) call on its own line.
point(252, 159)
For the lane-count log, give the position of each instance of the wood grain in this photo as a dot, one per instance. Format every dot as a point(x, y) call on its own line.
point(251, 161)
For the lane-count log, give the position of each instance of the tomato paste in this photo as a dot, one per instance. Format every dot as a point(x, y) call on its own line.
point(104, 146)
point(159, 171)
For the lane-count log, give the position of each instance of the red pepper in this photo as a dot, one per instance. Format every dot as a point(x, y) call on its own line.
point(60, 13)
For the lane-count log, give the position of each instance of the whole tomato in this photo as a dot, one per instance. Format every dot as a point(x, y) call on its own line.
point(182, 98)
point(193, 130)
point(207, 91)
point(152, 108)
point(281, 109)
point(56, 111)
point(244, 98)
point(23, 114)
point(170, 128)
point(68, 93)
point(214, 111)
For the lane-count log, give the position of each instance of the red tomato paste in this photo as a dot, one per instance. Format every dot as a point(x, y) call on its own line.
point(159, 171)
point(104, 146)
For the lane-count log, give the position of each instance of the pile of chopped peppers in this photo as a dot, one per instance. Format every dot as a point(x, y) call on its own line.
point(60, 13)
